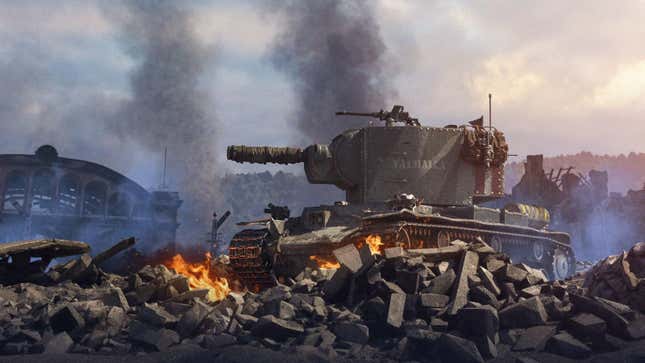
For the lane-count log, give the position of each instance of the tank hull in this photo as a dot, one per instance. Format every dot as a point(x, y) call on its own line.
point(269, 258)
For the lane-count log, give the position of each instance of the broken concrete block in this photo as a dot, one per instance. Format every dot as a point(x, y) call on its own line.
point(408, 280)
point(191, 319)
point(374, 309)
point(494, 265)
point(59, 344)
point(155, 315)
point(443, 283)
point(339, 282)
point(190, 295)
point(523, 314)
point(438, 324)
point(636, 329)
point(218, 341)
point(529, 292)
point(555, 308)
point(159, 339)
point(467, 266)
point(67, 319)
point(451, 348)
point(115, 320)
point(481, 295)
point(622, 309)
point(585, 326)
point(474, 280)
point(349, 257)
point(616, 324)
point(277, 329)
point(565, 345)
point(508, 291)
point(511, 273)
point(352, 332)
point(395, 310)
point(476, 322)
point(109, 296)
point(430, 300)
point(534, 338)
point(486, 347)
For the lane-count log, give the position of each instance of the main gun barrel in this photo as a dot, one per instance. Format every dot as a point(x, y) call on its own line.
point(265, 154)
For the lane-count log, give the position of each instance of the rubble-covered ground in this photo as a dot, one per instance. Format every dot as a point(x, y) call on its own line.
point(462, 303)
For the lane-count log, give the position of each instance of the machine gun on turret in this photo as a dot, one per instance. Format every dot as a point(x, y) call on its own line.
point(390, 117)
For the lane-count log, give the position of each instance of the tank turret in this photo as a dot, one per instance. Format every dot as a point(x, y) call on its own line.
point(441, 165)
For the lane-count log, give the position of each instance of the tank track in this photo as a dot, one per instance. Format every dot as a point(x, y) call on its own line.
point(555, 257)
point(249, 260)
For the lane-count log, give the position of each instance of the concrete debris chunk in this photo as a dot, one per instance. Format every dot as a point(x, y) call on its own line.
point(158, 339)
point(565, 345)
point(477, 322)
point(585, 325)
point(395, 310)
point(534, 338)
point(352, 332)
point(467, 266)
point(59, 344)
point(155, 315)
point(443, 283)
point(430, 300)
point(349, 257)
point(523, 314)
point(191, 319)
point(277, 329)
point(66, 319)
point(488, 280)
point(455, 349)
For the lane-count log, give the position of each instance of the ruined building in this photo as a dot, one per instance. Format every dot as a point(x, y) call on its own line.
point(44, 195)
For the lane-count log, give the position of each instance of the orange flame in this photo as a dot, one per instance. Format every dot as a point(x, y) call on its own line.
point(375, 243)
point(200, 276)
point(325, 262)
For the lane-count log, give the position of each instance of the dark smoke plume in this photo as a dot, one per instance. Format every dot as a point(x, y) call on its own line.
point(168, 107)
point(333, 52)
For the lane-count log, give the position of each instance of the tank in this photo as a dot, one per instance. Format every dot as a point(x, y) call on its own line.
point(406, 185)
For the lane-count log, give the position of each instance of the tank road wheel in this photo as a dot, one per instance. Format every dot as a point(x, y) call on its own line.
point(443, 239)
point(496, 243)
point(538, 251)
point(562, 266)
point(403, 232)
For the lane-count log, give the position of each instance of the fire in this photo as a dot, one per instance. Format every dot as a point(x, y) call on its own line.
point(325, 262)
point(375, 243)
point(200, 276)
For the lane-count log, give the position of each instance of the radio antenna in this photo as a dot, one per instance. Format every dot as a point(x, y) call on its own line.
point(163, 177)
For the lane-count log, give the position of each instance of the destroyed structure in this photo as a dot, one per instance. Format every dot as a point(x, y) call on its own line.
point(582, 206)
point(47, 196)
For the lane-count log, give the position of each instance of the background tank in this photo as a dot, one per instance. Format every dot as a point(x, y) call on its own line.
point(447, 170)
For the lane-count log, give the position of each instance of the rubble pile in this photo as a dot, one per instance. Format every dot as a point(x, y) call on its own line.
point(460, 303)
point(620, 278)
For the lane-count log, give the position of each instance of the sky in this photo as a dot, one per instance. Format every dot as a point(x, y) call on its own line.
point(565, 76)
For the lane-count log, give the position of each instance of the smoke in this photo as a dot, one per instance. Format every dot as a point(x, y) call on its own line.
point(90, 107)
point(333, 52)
point(168, 106)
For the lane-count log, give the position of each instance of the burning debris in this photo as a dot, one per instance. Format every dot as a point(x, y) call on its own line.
point(463, 301)
point(201, 276)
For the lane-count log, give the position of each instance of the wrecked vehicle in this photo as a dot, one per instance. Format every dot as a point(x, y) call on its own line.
point(406, 185)
point(28, 260)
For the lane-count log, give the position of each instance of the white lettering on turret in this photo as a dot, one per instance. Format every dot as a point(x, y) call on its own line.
point(411, 164)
